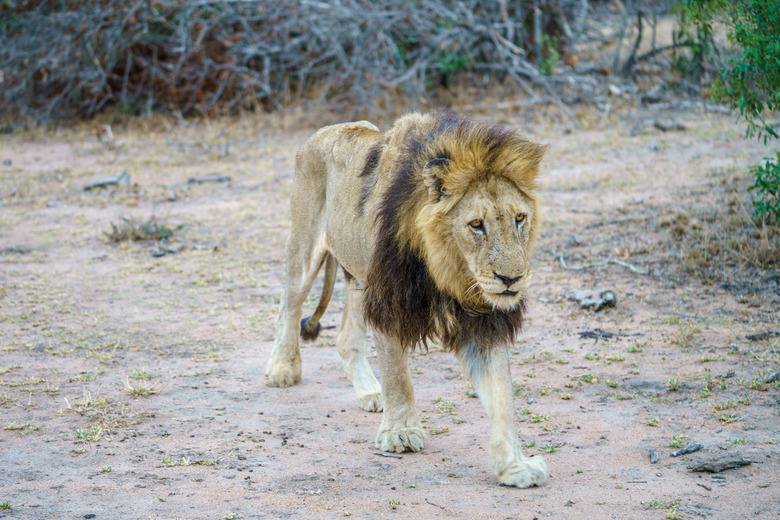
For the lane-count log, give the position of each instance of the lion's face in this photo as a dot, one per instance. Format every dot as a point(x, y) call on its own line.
point(477, 244)
point(491, 228)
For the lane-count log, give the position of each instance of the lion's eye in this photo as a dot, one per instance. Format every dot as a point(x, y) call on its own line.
point(519, 218)
point(476, 224)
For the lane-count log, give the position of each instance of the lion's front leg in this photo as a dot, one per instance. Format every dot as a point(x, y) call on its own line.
point(489, 372)
point(401, 429)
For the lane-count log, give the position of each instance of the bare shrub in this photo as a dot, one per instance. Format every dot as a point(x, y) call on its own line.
point(64, 58)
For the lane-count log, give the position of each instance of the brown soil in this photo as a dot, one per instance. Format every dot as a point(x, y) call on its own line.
point(131, 386)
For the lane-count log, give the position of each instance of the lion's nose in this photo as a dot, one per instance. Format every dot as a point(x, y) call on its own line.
point(507, 281)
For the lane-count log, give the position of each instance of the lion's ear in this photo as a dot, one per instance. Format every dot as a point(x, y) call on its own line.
point(432, 177)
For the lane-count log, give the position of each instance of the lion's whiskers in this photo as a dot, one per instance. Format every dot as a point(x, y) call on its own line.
point(471, 291)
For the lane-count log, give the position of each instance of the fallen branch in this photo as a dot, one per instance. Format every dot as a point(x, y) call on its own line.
point(665, 126)
point(627, 265)
point(204, 180)
point(114, 180)
point(759, 336)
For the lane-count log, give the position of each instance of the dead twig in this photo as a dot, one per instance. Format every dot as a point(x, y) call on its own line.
point(385, 454)
point(689, 448)
point(434, 504)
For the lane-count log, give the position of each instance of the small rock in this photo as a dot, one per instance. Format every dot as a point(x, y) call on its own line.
point(7, 162)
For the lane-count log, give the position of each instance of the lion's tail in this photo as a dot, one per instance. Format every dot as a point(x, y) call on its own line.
point(310, 327)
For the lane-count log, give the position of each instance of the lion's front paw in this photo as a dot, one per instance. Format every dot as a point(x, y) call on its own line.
point(399, 441)
point(525, 473)
point(371, 402)
point(282, 374)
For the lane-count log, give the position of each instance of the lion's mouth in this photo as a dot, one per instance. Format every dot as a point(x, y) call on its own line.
point(508, 293)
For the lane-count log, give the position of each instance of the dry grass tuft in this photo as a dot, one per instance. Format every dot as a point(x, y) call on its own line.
point(137, 230)
point(107, 414)
point(142, 388)
point(721, 243)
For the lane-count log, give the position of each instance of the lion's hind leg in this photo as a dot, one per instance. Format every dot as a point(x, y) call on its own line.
point(351, 344)
point(306, 253)
point(489, 373)
point(284, 364)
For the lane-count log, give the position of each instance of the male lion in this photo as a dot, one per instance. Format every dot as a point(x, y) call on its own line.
point(432, 221)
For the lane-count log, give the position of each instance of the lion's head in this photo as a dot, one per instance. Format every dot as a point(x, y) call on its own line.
point(463, 210)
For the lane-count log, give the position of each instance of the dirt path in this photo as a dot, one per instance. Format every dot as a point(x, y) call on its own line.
point(131, 386)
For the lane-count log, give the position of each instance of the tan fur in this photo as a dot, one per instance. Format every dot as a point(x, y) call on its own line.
point(398, 211)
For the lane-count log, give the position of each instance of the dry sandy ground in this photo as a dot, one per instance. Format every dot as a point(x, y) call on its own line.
point(131, 386)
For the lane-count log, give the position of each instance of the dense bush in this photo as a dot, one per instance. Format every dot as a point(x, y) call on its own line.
point(750, 78)
point(66, 57)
